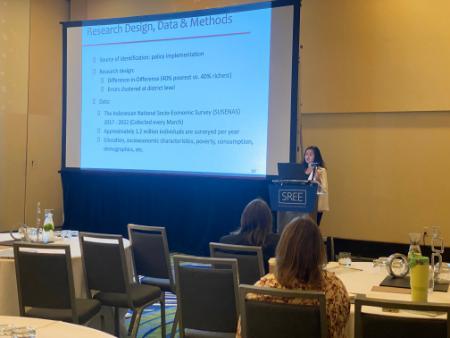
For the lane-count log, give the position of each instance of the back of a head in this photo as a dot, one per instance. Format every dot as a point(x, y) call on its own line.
point(300, 253)
point(256, 221)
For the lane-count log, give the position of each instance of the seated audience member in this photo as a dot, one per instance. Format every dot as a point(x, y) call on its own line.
point(255, 230)
point(299, 266)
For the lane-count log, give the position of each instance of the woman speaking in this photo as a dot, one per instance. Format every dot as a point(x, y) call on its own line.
point(314, 169)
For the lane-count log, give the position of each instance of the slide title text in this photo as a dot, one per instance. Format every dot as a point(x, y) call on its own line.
point(151, 27)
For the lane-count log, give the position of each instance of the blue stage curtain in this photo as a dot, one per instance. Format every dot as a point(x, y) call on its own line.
point(194, 209)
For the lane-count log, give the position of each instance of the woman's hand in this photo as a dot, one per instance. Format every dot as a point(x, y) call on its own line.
point(317, 177)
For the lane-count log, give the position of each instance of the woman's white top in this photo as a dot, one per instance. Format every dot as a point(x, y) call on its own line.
point(322, 204)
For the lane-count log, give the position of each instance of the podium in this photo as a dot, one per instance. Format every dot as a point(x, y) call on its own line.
point(292, 198)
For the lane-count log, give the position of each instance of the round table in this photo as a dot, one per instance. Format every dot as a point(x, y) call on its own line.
point(53, 329)
point(363, 278)
point(9, 304)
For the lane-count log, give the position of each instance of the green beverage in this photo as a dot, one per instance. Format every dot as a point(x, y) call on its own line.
point(419, 277)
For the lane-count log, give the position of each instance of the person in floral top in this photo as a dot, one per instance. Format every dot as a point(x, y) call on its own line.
point(300, 256)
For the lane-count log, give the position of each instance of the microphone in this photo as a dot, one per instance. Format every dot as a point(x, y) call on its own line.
point(314, 166)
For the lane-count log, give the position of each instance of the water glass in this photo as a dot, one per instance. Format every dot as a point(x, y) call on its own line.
point(33, 234)
point(66, 234)
point(23, 332)
point(345, 258)
point(379, 264)
point(6, 330)
point(430, 280)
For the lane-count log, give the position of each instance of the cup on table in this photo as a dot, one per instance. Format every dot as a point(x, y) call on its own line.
point(66, 234)
point(6, 330)
point(379, 264)
point(272, 264)
point(430, 280)
point(23, 332)
point(420, 278)
point(33, 234)
point(345, 258)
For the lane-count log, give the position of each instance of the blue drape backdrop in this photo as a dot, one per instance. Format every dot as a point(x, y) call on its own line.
point(194, 209)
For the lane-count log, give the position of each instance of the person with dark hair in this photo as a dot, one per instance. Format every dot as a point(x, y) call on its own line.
point(255, 229)
point(299, 261)
point(314, 169)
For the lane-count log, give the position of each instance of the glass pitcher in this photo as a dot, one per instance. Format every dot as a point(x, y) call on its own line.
point(25, 233)
point(48, 220)
point(414, 243)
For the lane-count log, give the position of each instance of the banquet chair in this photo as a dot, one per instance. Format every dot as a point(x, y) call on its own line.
point(152, 262)
point(370, 325)
point(249, 258)
point(106, 273)
point(207, 296)
point(45, 284)
point(266, 318)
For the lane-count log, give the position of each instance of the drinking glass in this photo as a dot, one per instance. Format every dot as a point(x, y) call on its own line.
point(420, 278)
point(414, 243)
point(380, 263)
point(66, 234)
point(430, 280)
point(33, 234)
point(345, 258)
point(6, 330)
point(23, 332)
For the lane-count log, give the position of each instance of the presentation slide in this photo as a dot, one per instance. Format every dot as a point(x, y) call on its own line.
point(185, 94)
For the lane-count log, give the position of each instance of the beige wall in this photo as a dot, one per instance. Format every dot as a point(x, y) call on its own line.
point(96, 9)
point(14, 46)
point(45, 104)
point(387, 172)
point(30, 108)
point(384, 65)
point(375, 55)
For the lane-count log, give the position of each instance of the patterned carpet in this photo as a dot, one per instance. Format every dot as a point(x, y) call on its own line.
point(150, 325)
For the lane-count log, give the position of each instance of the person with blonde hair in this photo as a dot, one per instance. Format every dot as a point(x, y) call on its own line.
point(299, 265)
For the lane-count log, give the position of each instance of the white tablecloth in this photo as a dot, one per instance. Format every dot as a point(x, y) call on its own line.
point(361, 277)
point(53, 329)
point(9, 304)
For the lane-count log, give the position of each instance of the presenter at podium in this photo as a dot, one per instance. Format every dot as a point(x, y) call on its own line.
point(314, 169)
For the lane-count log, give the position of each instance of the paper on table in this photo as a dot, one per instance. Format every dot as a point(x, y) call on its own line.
point(377, 288)
point(6, 252)
point(402, 297)
point(339, 269)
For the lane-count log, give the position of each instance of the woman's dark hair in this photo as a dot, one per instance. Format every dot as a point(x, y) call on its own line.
point(256, 222)
point(300, 254)
point(317, 157)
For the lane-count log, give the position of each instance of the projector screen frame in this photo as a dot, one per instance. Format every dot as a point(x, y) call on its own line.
point(175, 15)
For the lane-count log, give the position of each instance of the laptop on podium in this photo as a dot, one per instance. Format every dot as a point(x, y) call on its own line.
point(291, 171)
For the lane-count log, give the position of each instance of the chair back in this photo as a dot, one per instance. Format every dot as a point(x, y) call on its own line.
point(44, 277)
point(104, 262)
point(328, 243)
point(370, 325)
point(207, 296)
point(249, 258)
point(150, 251)
point(265, 318)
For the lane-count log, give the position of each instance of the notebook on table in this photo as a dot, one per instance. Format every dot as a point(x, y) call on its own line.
point(403, 282)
